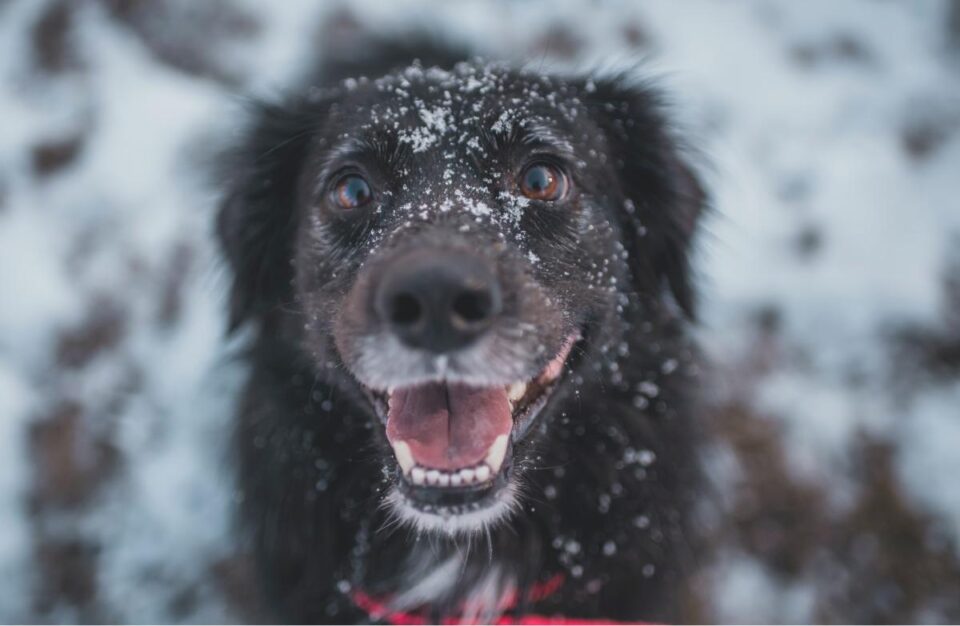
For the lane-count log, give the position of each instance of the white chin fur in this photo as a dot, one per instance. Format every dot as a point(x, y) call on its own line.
point(469, 523)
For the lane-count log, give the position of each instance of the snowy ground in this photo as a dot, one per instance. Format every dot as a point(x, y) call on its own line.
point(830, 271)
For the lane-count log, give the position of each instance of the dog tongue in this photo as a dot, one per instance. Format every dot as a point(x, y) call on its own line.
point(448, 426)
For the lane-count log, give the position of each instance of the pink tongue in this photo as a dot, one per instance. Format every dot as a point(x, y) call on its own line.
point(448, 426)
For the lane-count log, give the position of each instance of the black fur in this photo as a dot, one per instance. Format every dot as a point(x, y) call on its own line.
point(609, 471)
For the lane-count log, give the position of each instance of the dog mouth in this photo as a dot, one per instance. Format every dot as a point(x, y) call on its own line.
point(453, 442)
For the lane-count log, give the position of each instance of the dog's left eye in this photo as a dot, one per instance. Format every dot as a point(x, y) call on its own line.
point(352, 192)
point(543, 181)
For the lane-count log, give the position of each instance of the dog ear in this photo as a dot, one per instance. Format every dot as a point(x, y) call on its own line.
point(662, 198)
point(257, 218)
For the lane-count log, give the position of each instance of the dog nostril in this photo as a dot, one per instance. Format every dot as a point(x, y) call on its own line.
point(472, 307)
point(406, 310)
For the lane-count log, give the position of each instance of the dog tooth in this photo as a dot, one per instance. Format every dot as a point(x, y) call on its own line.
point(483, 473)
point(444, 479)
point(432, 477)
point(418, 475)
point(516, 391)
point(455, 479)
point(497, 452)
point(468, 475)
point(404, 457)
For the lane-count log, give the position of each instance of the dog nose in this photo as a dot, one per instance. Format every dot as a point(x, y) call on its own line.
point(438, 301)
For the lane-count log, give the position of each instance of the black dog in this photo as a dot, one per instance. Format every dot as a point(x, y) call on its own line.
point(470, 389)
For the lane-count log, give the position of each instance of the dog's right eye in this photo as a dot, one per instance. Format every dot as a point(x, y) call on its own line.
point(351, 192)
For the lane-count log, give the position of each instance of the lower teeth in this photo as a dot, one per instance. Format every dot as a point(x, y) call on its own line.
point(467, 476)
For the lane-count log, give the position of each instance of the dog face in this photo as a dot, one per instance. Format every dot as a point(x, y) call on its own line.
point(459, 242)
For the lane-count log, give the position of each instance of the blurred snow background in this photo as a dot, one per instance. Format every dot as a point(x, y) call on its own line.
point(830, 273)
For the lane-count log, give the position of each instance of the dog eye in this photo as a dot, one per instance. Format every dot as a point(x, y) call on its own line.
point(352, 192)
point(543, 181)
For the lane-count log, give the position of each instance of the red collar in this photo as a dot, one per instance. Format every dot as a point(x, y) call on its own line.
point(378, 608)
